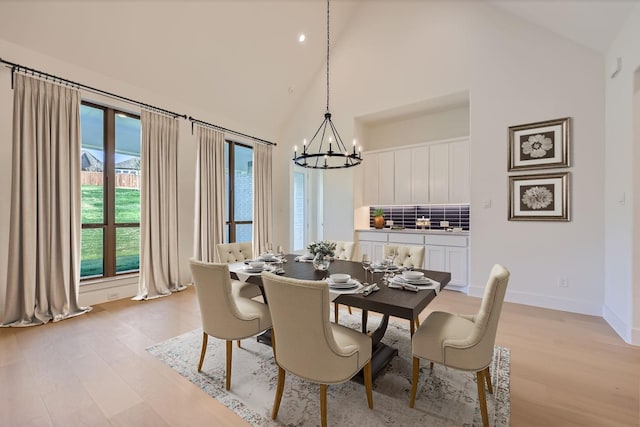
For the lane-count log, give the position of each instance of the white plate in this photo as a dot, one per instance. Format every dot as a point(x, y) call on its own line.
point(248, 269)
point(349, 284)
point(421, 281)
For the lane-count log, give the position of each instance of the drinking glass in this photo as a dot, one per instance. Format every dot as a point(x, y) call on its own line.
point(280, 251)
point(366, 265)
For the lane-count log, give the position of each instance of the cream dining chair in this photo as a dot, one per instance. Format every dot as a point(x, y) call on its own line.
point(307, 344)
point(225, 315)
point(237, 252)
point(344, 251)
point(463, 342)
point(406, 256)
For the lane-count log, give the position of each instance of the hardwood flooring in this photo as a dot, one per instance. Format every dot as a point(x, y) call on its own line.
point(93, 370)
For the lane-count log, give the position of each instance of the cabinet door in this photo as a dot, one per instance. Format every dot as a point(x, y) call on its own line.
point(420, 175)
point(459, 172)
point(439, 173)
point(378, 251)
point(370, 172)
point(385, 178)
point(457, 264)
point(364, 247)
point(434, 258)
point(402, 177)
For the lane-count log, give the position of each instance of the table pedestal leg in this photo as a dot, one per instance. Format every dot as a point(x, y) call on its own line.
point(381, 354)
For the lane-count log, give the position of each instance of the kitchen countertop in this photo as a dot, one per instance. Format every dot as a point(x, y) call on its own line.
point(415, 231)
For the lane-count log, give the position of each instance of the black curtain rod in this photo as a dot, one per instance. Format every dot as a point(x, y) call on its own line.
point(17, 67)
point(200, 122)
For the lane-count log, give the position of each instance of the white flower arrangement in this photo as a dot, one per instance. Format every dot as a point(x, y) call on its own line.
point(323, 248)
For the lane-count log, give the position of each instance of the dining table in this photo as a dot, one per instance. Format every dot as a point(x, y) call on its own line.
point(387, 301)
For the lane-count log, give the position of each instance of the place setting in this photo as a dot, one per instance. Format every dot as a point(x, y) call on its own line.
point(412, 281)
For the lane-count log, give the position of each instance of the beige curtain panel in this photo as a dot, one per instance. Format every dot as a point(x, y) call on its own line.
point(159, 249)
point(262, 221)
point(210, 195)
point(43, 272)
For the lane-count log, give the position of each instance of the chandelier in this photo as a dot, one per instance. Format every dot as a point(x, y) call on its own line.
point(326, 149)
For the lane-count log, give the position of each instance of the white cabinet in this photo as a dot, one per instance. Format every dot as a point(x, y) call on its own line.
point(443, 252)
point(402, 194)
point(439, 173)
point(449, 253)
point(386, 178)
point(423, 174)
point(370, 174)
point(420, 175)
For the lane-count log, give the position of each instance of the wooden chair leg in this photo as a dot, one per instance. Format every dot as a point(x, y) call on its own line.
point(482, 398)
point(205, 338)
point(335, 312)
point(412, 327)
point(279, 390)
point(239, 344)
point(431, 366)
point(323, 405)
point(487, 377)
point(349, 308)
point(414, 381)
point(368, 384)
point(417, 322)
point(229, 350)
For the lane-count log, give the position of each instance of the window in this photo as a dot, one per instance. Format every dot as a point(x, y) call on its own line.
point(110, 179)
point(239, 192)
point(299, 210)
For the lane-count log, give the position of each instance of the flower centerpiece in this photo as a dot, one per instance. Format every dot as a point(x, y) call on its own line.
point(322, 252)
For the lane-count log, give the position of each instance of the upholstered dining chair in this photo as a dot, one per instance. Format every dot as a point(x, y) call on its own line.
point(344, 251)
point(236, 252)
point(406, 256)
point(307, 344)
point(225, 315)
point(463, 342)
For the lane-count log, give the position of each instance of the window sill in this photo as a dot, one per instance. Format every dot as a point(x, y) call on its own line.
point(91, 285)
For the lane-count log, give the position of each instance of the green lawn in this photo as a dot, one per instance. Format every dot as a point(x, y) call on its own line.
point(127, 238)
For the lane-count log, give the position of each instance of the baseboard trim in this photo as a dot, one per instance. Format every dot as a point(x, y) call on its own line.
point(555, 303)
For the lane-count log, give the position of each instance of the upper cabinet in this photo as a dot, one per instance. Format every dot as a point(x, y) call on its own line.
point(427, 173)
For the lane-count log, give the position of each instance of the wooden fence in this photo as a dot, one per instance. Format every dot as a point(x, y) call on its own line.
point(122, 179)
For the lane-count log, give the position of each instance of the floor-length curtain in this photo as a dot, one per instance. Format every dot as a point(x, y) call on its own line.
point(210, 195)
point(43, 272)
point(159, 250)
point(262, 220)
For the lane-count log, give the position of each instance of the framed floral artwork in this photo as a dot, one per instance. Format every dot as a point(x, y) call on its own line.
point(539, 145)
point(543, 197)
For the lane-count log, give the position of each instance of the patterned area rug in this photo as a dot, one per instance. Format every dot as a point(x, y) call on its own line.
point(446, 397)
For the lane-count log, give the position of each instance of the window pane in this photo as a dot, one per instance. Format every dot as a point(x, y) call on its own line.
point(91, 164)
point(243, 185)
point(91, 261)
point(127, 165)
point(298, 211)
point(127, 249)
point(244, 232)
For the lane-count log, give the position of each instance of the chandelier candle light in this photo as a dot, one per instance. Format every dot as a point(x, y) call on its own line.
point(330, 159)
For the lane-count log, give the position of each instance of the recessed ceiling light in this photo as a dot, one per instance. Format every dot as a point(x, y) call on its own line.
point(302, 38)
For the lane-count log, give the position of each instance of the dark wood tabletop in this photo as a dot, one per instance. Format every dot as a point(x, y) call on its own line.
point(394, 302)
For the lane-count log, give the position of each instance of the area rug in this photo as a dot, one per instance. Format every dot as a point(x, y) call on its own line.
point(446, 397)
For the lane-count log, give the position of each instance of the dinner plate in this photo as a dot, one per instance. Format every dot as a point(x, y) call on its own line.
point(248, 269)
point(349, 284)
point(421, 281)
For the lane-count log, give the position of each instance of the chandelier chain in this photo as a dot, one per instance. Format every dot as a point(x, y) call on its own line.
point(328, 42)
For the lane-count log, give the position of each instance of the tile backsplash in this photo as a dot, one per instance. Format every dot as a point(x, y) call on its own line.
point(405, 216)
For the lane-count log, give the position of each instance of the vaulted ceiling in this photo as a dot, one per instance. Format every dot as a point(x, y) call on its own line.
point(243, 54)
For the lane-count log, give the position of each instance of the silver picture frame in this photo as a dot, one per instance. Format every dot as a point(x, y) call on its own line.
point(541, 197)
point(540, 145)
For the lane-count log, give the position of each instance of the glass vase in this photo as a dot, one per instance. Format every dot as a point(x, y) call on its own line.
point(321, 262)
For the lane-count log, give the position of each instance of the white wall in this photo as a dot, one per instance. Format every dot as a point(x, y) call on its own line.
point(417, 128)
point(403, 53)
point(622, 202)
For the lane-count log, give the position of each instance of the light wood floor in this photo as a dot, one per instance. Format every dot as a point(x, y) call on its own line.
point(93, 370)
